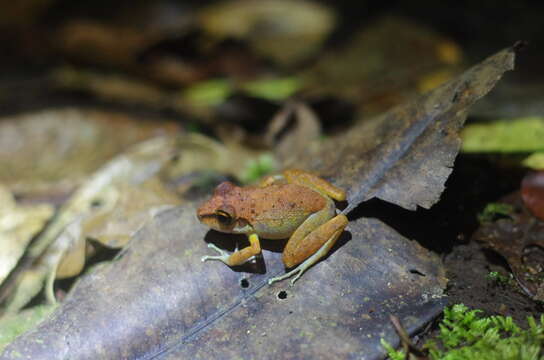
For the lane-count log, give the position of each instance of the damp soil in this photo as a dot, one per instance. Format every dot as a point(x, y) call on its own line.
point(447, 229)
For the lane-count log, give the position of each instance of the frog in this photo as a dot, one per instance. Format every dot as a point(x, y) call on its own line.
point(295, 204)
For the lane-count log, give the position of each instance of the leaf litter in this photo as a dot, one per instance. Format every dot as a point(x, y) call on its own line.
point(187, 307)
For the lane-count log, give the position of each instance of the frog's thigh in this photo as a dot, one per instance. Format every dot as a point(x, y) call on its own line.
point(334, 227)
point(302, 177)
point(309, 239)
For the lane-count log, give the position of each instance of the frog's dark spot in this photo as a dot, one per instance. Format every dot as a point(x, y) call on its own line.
point(292, 205)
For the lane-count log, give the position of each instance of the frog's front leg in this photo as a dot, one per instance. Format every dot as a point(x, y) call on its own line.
point(238, 257)
point(312, 240)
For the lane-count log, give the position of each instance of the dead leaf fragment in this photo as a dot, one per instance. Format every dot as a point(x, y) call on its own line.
point(77, 143)
point(18, 224)
point(96, 198)
point(406, 155)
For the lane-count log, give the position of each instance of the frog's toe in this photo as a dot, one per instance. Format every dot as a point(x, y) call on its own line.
point(223, 255)
point(287, 275)
point(300, 271)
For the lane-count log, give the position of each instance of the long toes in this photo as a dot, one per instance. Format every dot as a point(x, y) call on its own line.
point(296, 277)
point(213, 246)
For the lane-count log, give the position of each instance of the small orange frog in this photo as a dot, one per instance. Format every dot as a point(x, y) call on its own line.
point(296, 204)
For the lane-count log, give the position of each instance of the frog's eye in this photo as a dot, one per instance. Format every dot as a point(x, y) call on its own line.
point(224, 217)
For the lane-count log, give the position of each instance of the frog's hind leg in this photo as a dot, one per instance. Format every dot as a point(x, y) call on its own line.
point(325, 236)
point(304, 178)
point(238, 257)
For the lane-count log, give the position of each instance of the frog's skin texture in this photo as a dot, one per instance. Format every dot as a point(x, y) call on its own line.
point(296, 205)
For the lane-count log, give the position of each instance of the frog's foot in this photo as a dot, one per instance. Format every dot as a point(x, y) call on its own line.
point(288, 275)
point(223, 255)
point(300, 269)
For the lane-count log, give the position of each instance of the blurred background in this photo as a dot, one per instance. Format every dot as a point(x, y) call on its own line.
point(140, 53)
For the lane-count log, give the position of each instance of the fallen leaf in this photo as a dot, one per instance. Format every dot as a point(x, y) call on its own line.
point(97, 197)
point(303, 134)
point(287, 31)
point(77, 143)
point(188, 309)
point(406, 155)
point(136, 205)
point(18, 225)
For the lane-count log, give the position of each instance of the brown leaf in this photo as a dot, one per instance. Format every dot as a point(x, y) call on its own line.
point(159, 300)
point(78, 142)
point(406, 155)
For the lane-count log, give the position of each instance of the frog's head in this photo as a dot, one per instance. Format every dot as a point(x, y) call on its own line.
point(219, 212)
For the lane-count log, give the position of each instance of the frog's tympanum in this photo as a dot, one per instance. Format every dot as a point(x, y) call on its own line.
point(296, 205)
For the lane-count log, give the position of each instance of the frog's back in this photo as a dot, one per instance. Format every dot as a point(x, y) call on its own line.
point(276, 211)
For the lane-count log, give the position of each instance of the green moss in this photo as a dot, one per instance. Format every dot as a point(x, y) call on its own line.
point(391, 352)
point(494, 210)
point(464, 335)
point(498, 278)
point(12, 326)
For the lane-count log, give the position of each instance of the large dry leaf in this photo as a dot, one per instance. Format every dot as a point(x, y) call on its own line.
point(406, 155)
point(95, 199)
point(160, 301)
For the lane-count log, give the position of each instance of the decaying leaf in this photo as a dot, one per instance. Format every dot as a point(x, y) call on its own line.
point(519, 239)
point(305, 131)
point(406, 155)
point(18, 224)
point(111, 88)
point(52, 151)
point(135, 205)
point(158, 300)
point(93, 200)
